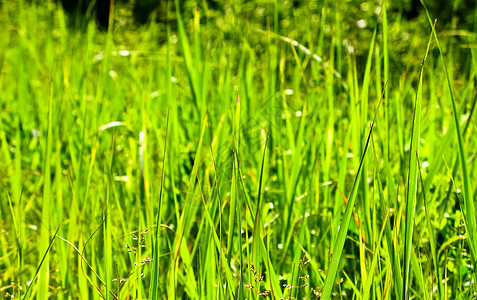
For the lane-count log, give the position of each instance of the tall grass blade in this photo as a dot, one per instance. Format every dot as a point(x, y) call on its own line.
point(469, 208)
point(46, 205)
point(43, 259)
point(155, 279)
point(343, 229)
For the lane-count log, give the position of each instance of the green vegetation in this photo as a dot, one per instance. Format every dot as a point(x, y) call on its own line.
point(239, 150)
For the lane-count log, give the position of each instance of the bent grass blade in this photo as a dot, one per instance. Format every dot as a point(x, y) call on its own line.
point(412, 180)
point(343, 231)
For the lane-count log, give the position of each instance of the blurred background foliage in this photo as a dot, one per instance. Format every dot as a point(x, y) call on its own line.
point(349, 24)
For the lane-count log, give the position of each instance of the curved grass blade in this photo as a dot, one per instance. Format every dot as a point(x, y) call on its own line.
point(369, 281)
point(257, 223)
point(469, 209)
point(412, 180)
point(432, 239)
point(42, 260)
point(155, 283)
point(343, 231)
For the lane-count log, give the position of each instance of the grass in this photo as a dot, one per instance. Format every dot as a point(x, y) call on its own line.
point(237, 151)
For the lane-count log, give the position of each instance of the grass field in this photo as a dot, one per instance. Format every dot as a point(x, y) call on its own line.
point(246, 151)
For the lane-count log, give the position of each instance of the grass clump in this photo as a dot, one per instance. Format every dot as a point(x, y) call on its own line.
point(241, 150)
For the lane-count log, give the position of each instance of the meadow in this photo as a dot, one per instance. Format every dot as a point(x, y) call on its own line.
point(239, 150)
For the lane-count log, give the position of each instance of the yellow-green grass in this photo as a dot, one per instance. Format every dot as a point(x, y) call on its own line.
point(189, 158)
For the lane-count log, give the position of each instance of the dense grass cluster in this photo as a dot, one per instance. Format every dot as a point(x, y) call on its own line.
point(245, 151)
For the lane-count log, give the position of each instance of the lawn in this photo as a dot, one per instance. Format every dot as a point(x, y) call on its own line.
point(239, 150)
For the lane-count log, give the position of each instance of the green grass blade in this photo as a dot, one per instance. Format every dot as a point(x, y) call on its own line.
point(343, 230)
point(155, 279)
point(432, 237)
point(43, 259)
point(186, 54)
point(372, 268)
point(46, 205)
point(412, 180)
point(469, 208)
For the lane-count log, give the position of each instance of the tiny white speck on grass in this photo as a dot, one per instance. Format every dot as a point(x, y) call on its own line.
point(446, 215)
point(405, 36)
point(377, 10)
point(266, 189)
point(121, 178)
point(425, 164)
point(298, 113)
point(280, 246)
point(173, 79)
point(124, 53)
point(288, 92)
point(458, 191)
point(307, 215)
point(368, 180)
point(288, 152)
point(361, 23)
point(313, 231)
point(113, 74)
point(270, 204)
point(111, 124)
point(316, 57)
point(56, 33)
point(35, 132)
point(33, 227)
point(154, 94)
point(98, 56)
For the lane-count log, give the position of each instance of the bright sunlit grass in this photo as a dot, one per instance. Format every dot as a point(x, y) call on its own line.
point(237, 151)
